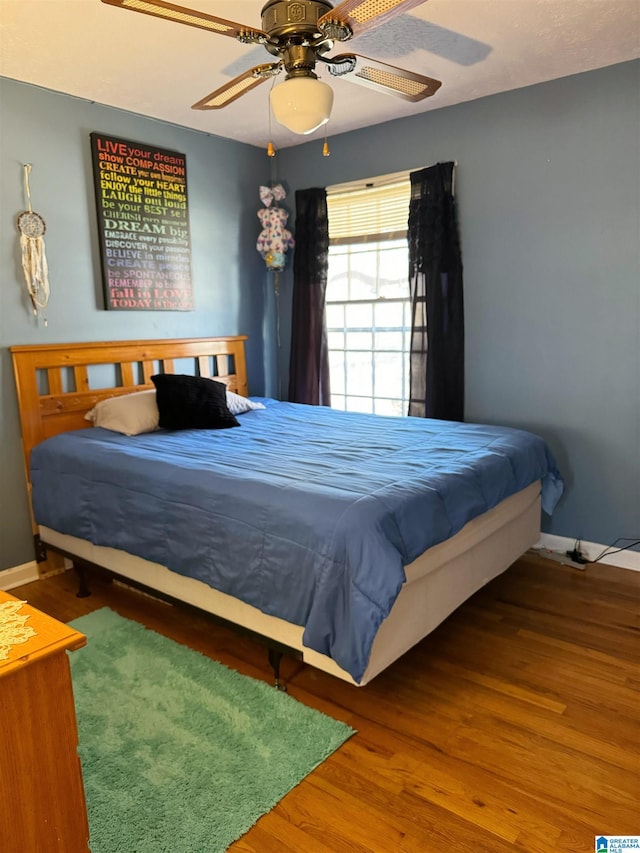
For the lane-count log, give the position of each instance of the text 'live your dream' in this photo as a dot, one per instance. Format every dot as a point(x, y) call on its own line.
point(146, 254)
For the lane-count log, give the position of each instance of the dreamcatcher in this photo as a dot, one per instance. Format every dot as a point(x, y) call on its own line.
point(34, 260)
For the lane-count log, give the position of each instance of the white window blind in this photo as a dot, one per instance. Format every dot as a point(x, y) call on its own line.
point(369, 213)
point(368, 309)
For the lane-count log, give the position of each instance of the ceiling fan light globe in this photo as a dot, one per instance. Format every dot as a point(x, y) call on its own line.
point(301, 104)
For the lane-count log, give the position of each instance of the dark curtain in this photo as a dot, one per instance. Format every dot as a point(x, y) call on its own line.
point(435, 280)
point(309, 359)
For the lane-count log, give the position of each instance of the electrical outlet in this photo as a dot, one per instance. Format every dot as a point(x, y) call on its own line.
point(560, 557)
point(577, 556)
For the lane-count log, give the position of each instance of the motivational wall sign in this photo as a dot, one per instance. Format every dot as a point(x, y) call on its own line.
point(143, 225)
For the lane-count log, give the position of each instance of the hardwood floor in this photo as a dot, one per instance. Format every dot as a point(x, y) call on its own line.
point(515, 726)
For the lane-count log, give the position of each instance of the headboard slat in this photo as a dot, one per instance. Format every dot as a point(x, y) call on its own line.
point(81, 377)
point(204, 366)
point(222, 366)
point(126, 371)
point(54, 380)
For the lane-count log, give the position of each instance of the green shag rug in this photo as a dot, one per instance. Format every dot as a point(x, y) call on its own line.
point(179, 753)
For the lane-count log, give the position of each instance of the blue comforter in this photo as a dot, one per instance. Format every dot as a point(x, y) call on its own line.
point(305, 512)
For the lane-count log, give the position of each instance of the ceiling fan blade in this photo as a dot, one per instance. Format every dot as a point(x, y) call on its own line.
point(389, 78)
point(232, 90)
point(182, 15)
point(362, 15)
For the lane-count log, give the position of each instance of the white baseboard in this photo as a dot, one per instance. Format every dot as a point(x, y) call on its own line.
point(26, 573)
point(591, 550)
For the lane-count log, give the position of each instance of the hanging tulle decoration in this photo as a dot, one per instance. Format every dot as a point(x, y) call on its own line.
point(34, 260)
point(274, 240)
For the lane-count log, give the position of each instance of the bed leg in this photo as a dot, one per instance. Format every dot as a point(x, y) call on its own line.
point(83, 586)
point(275, 656)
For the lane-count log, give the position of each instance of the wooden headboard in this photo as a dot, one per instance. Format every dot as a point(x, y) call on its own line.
point(54, 381)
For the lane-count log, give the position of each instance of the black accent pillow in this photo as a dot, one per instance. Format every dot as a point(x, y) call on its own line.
point(192, 402)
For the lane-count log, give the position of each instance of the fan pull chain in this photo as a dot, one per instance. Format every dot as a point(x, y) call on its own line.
point(271, 151)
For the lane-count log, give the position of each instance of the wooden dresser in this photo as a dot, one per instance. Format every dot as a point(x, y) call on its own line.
point(42, 804)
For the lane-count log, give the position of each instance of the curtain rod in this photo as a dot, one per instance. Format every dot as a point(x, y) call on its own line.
point(367, 183)
point(378, 181)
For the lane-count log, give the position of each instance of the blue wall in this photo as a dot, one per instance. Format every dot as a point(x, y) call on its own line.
point(548, 190)
point(51, 132)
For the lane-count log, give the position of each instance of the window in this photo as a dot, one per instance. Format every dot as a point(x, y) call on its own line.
point(367, 301)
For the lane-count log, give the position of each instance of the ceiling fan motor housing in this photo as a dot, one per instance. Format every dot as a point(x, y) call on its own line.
point(282, 19)
point(294, 34)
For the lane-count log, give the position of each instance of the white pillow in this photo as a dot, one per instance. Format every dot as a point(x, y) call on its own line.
point(238, 404)
point(132, 414)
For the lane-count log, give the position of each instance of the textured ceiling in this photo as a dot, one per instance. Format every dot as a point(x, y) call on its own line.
point(159, 68)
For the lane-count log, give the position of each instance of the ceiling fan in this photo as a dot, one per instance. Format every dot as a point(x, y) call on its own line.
point(300, 34)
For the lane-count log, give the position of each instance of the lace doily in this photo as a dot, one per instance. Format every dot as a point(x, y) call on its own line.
point(13, 631)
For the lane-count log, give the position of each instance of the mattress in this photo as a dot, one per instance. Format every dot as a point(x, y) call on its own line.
point(307, 514)
point(437, 583)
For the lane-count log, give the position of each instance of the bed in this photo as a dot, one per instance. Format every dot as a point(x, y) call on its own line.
point(293, 527)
